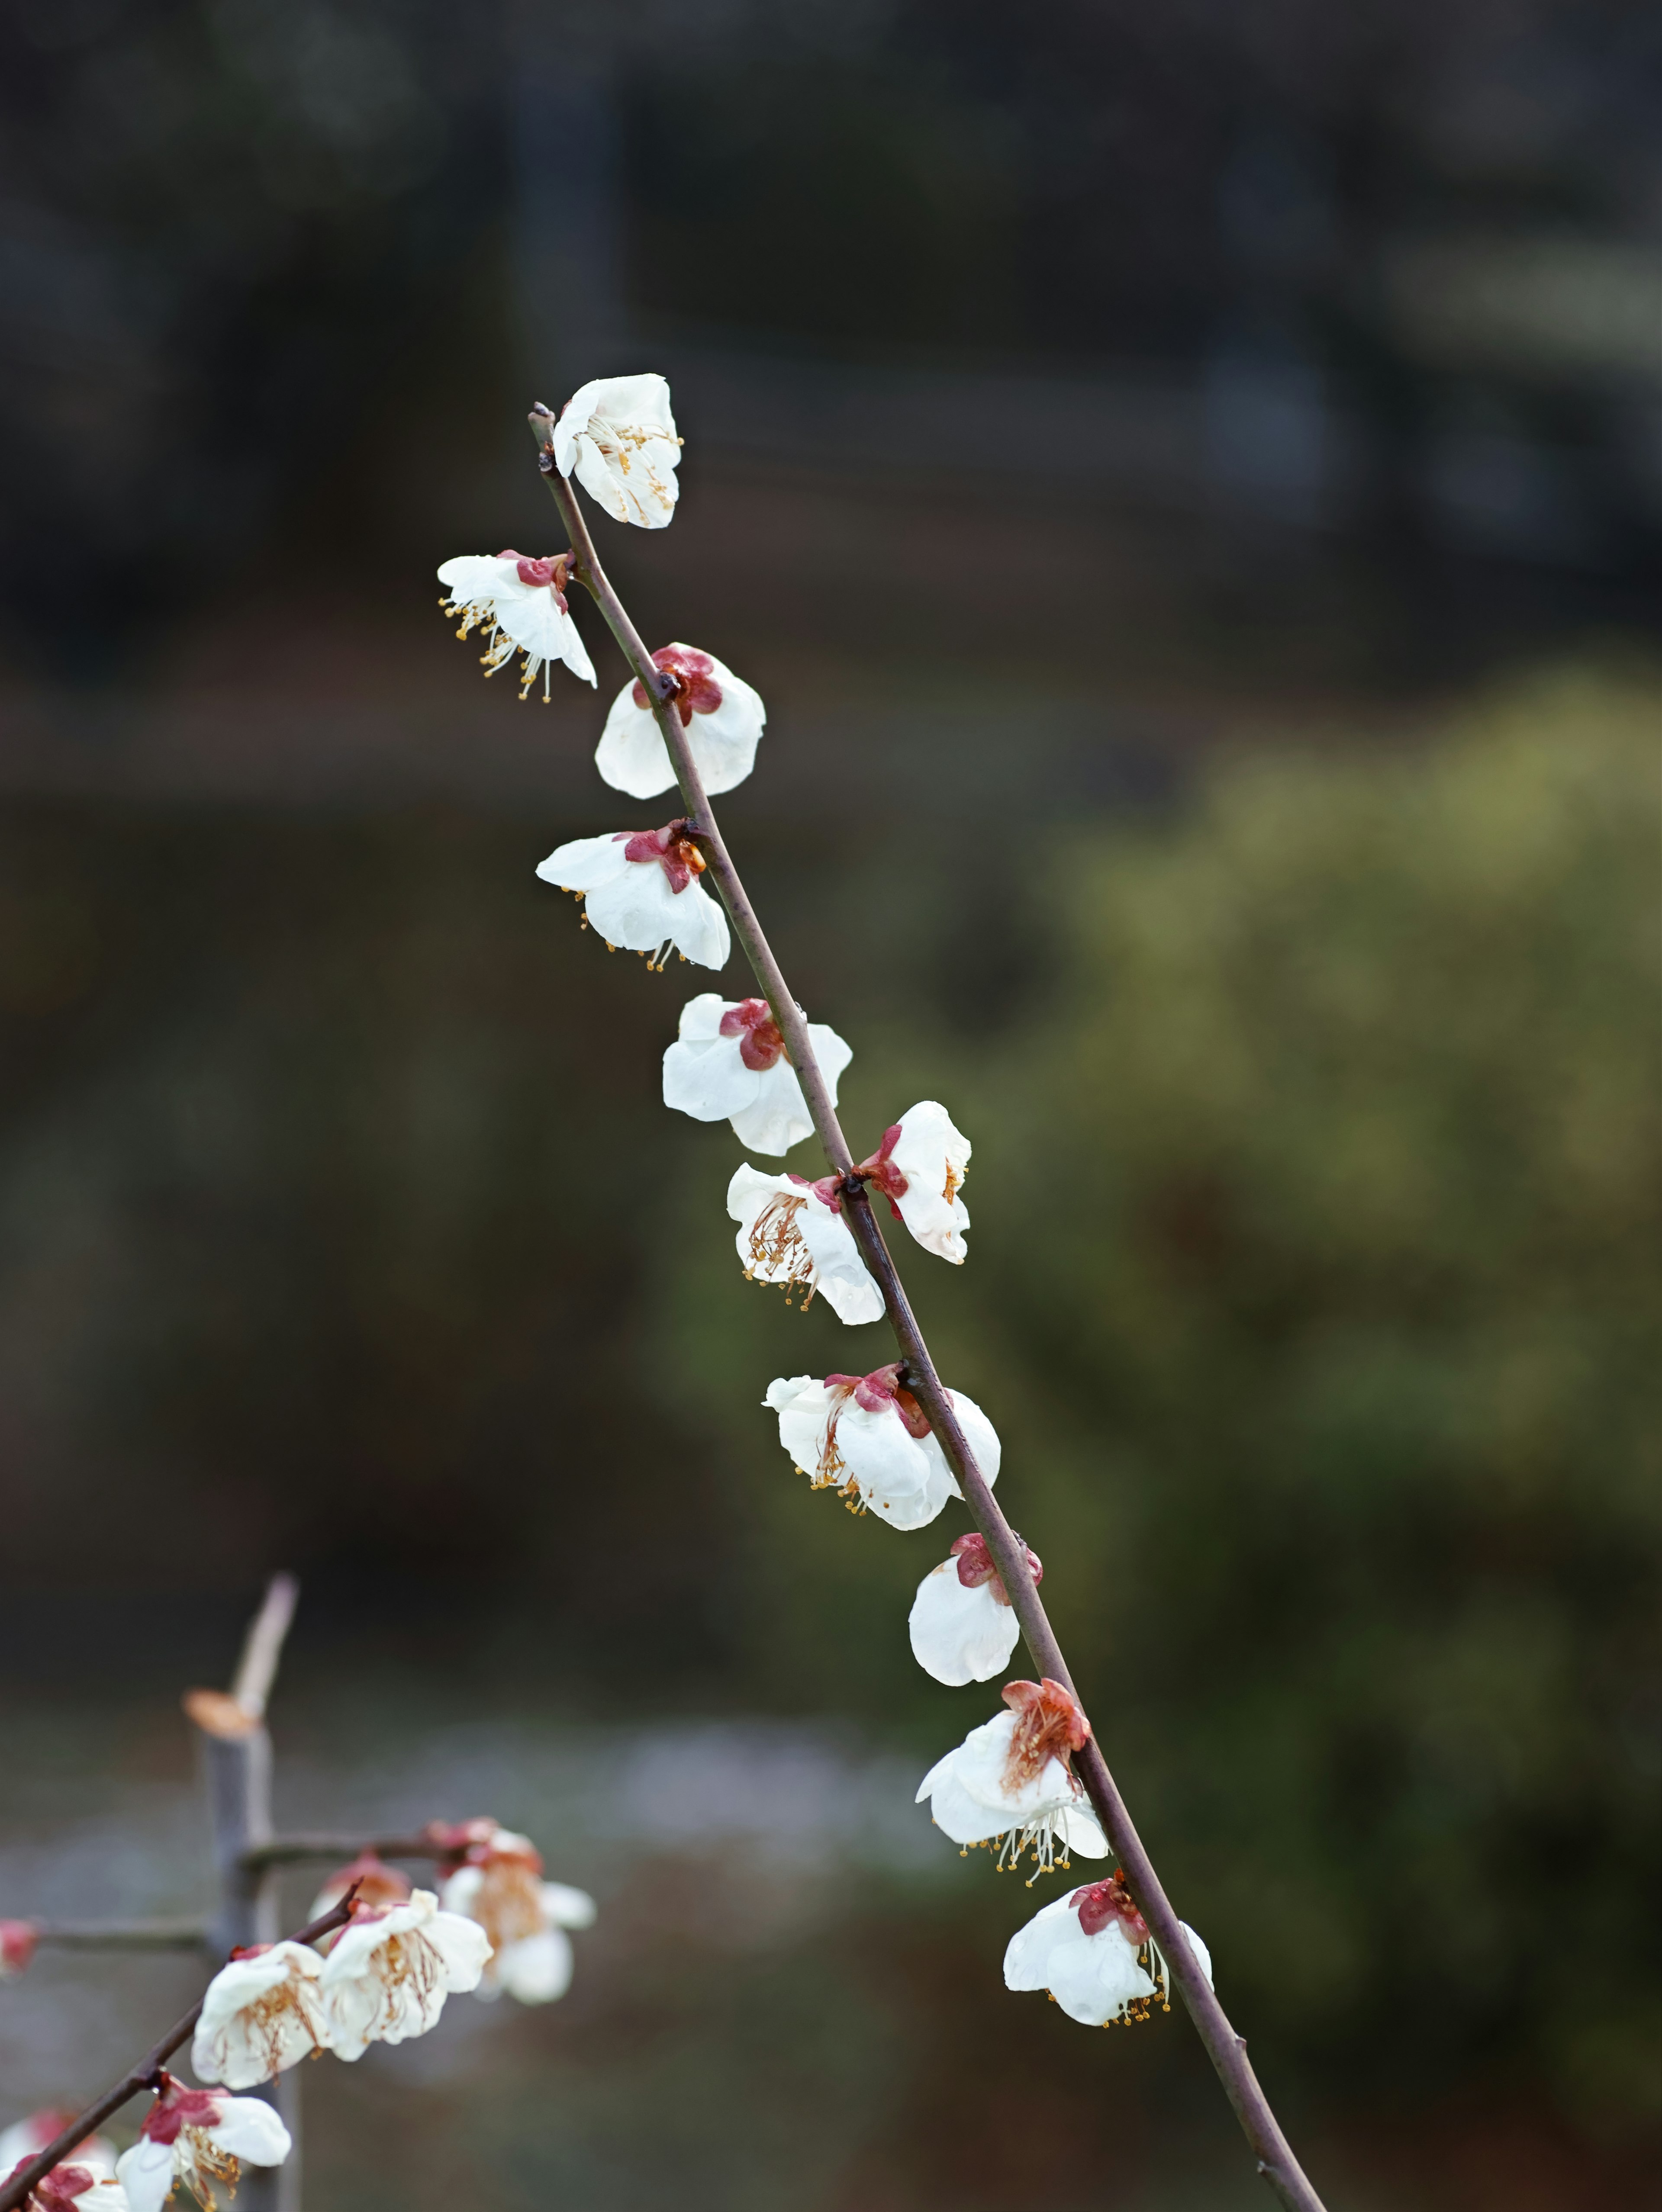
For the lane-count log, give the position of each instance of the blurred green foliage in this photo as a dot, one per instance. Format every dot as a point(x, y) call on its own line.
point(1314, 1288)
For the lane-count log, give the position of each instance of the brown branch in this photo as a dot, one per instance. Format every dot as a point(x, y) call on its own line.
point(1227, 2050)
point(16, 2190)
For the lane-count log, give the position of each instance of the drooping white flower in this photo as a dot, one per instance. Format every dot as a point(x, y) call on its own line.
point(17, 1941)
point(867, 1436)
point(642, 893)
point(26, 2139)
point(791, 1231)
point(962, 1624)
point(728, 1063)
point(497, 1880)
point(618, 435)
point(391, 1969)
point(198, 2136)
point(919, 1168)
point(520, 605)
point(1094, 1951)
point(74, 2186)
point(722, 717)
point(1009, 1782)
point(263, 2011)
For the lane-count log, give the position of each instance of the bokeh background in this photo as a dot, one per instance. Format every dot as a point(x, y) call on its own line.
point(1188, 483)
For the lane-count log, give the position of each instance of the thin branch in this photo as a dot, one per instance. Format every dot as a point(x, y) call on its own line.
point(299, 1850)
point(251, 1686)
point(1227, 2050)
point(16, 2190)
point(122, 1934)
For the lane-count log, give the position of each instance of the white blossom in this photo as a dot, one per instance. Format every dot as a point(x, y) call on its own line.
point(919, 1168)
point(642, 893)
point(73, 2186)
point(728, 1063)
point(26, 2139)
point(262, 2012)
point(721, 714)
point(867, 1436)
point(962, 1624)
point(1093, 1953)
point(791, 1231)
point(617, 436)
point(520, 605)
point(200, 2137)
point(1009, 1782)
point(391, 1969)
point(499, 1884)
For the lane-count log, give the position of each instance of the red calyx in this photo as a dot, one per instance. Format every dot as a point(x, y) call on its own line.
point(672, 849)
point(975, 1567)
point(761, 1040)
point(1105, 1901)
point(883, 1388)
point(1050, 1724)
point(177, 2107)
point(697, 691)
point(880, 1172)
point(57, 2191)
point(551, 570)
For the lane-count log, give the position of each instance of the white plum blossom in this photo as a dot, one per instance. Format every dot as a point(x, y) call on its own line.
point(728, 1063)
point(498, 1883)
point(393, 1967)
point(262, 2012)
point(642, 891)
point(1010, 1781)
point(617, 436)
point(1093, 1953)
point(867, 1436)
point(791, 1231)
point(198, 2136)
point(919, 1168)
point(520, 605)
point(721, 714)
point(962, 1624)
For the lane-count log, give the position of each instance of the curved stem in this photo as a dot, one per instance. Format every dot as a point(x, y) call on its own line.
point(16, 2190)
point(1227, 2050)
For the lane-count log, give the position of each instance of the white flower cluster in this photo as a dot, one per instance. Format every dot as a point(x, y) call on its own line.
point(1011, 1784)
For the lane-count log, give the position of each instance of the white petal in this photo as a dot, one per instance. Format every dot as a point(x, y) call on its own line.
point(979, 1434)
point(709, 1080)
point(462, 1948)
point(1027, 1956)
point(250, 2130)
point(587, 862)
point(461, 1888)
point(840, 1274)
point(1202, 1956)
point(631, 755)
point(538, 1969)
point(1095, 1978)
point(933, 1154)
point(568, 1907)
point(476, 576)
point(146, 2173)
point(961, 1635)
point(775, 1116)
point(1078, 1828)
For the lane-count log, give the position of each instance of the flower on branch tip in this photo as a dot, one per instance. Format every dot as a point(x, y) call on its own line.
point(791, 1231)
point(642, 891)
point(200, 2137)
point(262, 2012)
point(721, 714)
point(74, 2186)
point(375, 1883)
point(617, 436)
point(729, 1063)
point(919, 1168)
point(962, 1624)
point(520, 604)
point(1093, 1953)
point(26, 2139)
point(393, 1967)
point(17, 1941)
point(495, 1878)
point(1009, 1782)
point(867, 1436)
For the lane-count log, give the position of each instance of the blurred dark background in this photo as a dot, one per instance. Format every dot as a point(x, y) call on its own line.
point(1188, 483)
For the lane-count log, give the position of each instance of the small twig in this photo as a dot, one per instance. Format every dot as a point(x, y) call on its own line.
point(17, 2190)
point(122, 1934)
point(295, 1850)
point(1227, 2050)
point(251, 1686)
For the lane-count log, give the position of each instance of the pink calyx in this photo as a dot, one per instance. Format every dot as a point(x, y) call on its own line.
point(177, 2107)
point(1050, 1724)
point(378, 1885)
point(671, 846)
point(695, 690)
point(879, 1390)
point(880, 1172)
point(761, 1040)
point(975, 1567)
point(552, 570)
point(57, 2191)
point(1106, 1901)
point(828, 1189)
